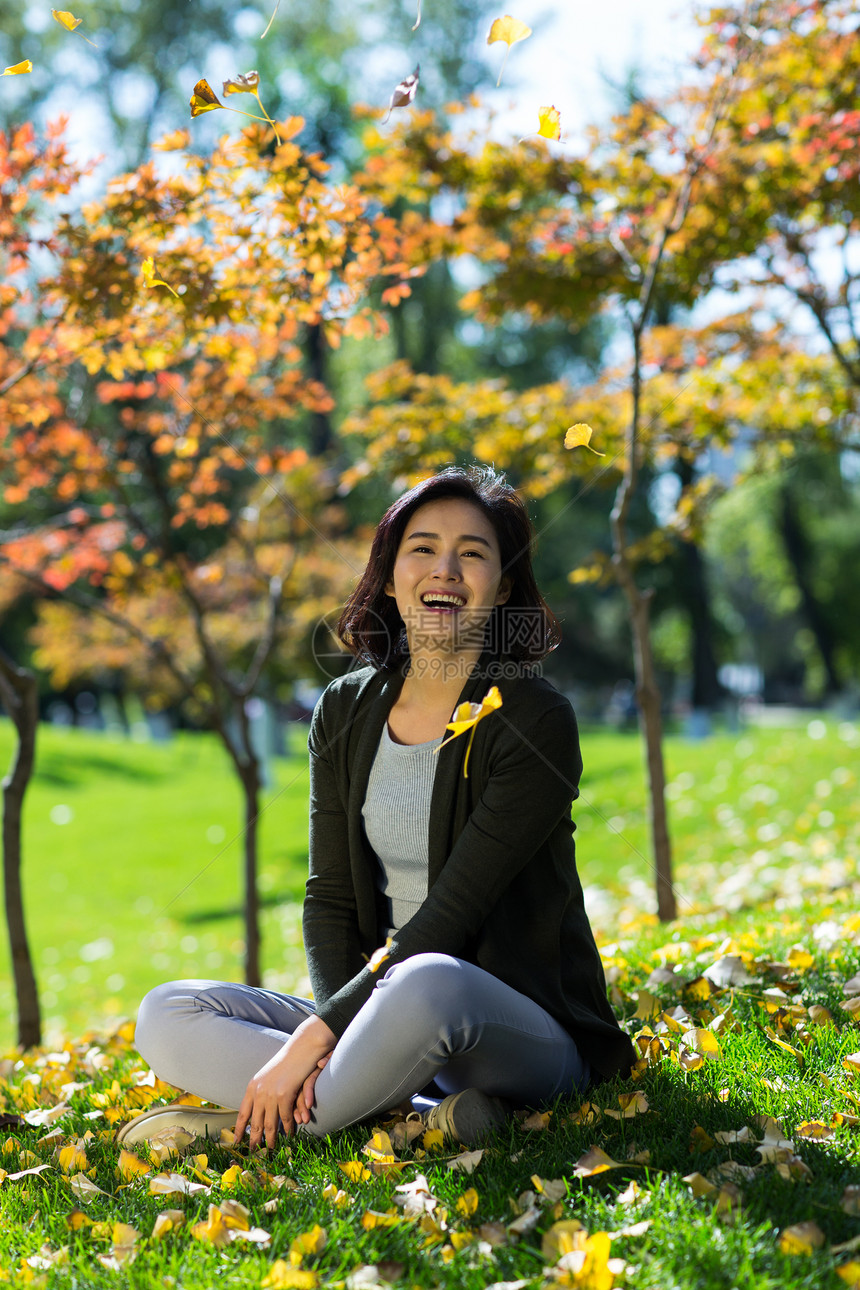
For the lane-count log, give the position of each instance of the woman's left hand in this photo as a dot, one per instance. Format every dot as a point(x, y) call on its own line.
point(271, 1098)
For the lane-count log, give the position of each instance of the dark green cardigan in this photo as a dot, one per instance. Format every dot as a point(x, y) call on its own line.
point(503, 891)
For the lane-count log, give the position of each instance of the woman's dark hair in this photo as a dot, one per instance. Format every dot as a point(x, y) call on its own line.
point(524, 628)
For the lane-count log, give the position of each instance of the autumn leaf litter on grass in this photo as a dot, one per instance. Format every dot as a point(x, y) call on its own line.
point(583, 1182)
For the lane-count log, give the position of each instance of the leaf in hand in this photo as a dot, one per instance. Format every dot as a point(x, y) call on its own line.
point(549, 119)
point(404, 93)
point(510, 30)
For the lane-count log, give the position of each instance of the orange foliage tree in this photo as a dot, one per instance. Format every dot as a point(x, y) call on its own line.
point(155, 491)
point(750, 161)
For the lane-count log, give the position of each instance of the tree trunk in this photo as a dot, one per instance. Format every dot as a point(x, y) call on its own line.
point(251, 787)
point(799, 557)
point(707, 692)
point(19, 695)
point(647, 690)
point(322, 434)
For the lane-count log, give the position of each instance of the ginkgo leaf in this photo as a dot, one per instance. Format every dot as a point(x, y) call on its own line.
point(549, 125)
point(204, 98)
point(595, 1161)
point(148, 271)
point(312, 1242)
point(131, 1166)
point(466, 717)
point(169, 1220)
point(283, 1276)
point(355, 1171)
point(70, 22)
point(510, 30)
point(19, 69)
point(579, 436)
point(564, 1236)
point(249, 83)
point(378, 957)
point(467, 1203)
point(372, 1218)
point(801, 1238)
point(404, 92)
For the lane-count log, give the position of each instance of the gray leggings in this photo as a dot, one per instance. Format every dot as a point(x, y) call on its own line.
point(430, 1018)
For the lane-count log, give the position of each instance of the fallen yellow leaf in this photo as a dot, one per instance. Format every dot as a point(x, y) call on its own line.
point(801, 1238)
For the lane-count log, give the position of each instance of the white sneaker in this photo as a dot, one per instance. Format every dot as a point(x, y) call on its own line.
point(202, 1121)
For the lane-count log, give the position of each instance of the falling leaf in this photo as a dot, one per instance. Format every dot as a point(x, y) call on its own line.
point(417, 23)
point(404, 92)
point(549, 125)
point(19, 69)
point(204, 98)
point(147, 272)
point(249, 83)
point(510, 30)
point(70, 22)
point(466, 717)
point(801, 1238)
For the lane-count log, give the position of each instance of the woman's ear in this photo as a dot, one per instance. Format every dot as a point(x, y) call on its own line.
point(389, 587)
point(506, 586)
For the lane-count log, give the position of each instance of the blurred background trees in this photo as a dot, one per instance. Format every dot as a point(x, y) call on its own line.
point(219, 361)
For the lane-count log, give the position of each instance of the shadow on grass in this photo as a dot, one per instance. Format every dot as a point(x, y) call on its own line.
point(269, 901)
point(679, 1133)
point(64, 771)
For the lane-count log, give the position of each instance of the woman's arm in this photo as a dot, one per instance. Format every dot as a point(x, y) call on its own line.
point(534, 779)
point(276, 1095)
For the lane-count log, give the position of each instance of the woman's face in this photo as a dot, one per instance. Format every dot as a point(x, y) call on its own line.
point(447, 576)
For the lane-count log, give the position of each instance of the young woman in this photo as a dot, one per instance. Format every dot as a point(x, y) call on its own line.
point(447, 942)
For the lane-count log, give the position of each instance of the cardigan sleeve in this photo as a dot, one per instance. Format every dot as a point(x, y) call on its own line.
point(329, 921)
point(532, 782)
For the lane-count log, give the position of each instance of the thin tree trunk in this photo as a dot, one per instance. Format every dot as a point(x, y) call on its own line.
point(647, 690)
point(19, 694)
point(251, 787)
point(706, 689)
point(799, 557)
point(322, 434)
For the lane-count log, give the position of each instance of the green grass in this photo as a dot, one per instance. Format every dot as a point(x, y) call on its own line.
point(766, 830)
point(143, 883)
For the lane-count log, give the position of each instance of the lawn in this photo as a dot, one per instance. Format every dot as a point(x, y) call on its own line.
point(730, 1160)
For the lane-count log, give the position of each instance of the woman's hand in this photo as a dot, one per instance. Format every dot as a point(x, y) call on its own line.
point(305, 1100)
point(272, 1096)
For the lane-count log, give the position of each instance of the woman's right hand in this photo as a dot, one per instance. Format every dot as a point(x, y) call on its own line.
point(272, 1095)
point(305, 1099)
